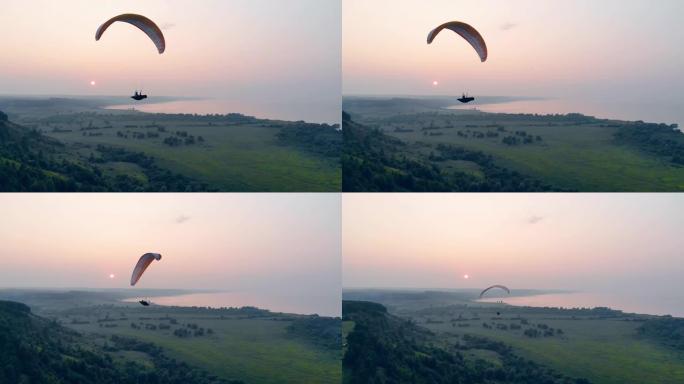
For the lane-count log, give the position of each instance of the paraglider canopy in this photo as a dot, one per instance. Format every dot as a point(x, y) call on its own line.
point(143, 23)
point(470, 34)
point(144, 262)
point(494, 286)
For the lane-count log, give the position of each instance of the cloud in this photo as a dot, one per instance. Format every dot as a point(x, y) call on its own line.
point(182, 219)
point(534, 219)
point(167, 26)
point(508, 26)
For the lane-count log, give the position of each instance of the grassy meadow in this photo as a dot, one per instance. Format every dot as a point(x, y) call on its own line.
point(224, 152)
point(602, 345)
point(570, 152)
point(248, 344)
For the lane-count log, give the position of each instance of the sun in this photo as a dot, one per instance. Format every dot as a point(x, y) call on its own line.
point(92, 82)
point(111, 276)
point(435, 83)
point(466, 276)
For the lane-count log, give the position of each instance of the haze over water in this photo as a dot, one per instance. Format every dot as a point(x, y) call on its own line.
point(290, 110)
point(667, 112)
point(306, 304)
point(664, 303)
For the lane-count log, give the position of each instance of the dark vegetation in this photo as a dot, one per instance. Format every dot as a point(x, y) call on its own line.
point(30, 161)
point(320, 139)
point(375, 162)
point(36, 350)
point(665, 141)
point(322, 331)
point(383, 348)
point(158, 179)
point(666, 330)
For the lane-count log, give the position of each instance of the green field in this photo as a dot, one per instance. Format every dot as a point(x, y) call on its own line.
point(250, 345)
point(605, 348)
point(252, 350)
point(240, 157)
point(227, 152)
point(571, 152)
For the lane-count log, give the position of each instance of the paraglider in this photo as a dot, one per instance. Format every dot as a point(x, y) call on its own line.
point(144, 262)
point(470, 34)
point(140, 267)
point(465, 99)
point(494, 286)
point(141, 22)
point(138, 96)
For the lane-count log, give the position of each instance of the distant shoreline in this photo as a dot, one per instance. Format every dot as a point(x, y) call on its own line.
point(542, 106)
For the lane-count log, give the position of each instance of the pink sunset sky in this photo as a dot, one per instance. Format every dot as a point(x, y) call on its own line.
point(283, 243)
point(233, 49)
point(603, 242)
point(599, 49)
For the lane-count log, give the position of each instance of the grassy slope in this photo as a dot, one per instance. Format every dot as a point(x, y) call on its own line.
point(252, 350)
point(234, 158)
point(605, 351)
point(572, 156)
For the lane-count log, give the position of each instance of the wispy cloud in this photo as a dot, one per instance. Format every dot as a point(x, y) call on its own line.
point(534, 219)
point(167, 26)
point(182, 219)
point(508, 26)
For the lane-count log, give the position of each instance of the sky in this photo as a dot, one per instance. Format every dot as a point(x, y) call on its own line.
point(609, 243)
point(287, 244)
point(270, 51)
point(617, 49)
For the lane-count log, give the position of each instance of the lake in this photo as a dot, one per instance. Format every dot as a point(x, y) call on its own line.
point(301, 304)
point(672, 113)
point(652, 304)
point(312, 112)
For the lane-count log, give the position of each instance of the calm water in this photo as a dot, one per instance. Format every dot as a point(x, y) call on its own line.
point(301, 304)
point(312, 112)
point(650, 112)
point(666, 304)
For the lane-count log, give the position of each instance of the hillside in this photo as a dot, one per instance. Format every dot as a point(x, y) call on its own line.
point(373, 161)
point(422, 144)
point(33, 162)
point(383, 348)
point(79, 145)
point(36, 350)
